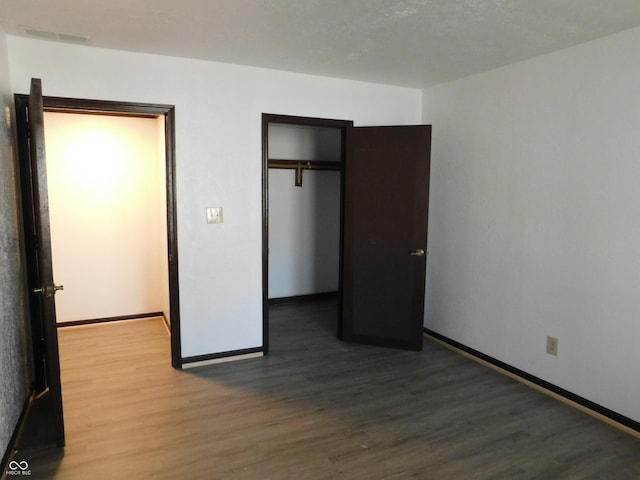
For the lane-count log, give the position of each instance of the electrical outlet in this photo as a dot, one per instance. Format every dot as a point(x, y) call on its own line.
point(552, 346)
point(214, 214)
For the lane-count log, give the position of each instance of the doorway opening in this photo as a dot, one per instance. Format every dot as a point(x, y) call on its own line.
point(59, 111)
point(106, 191)
point(303, 184)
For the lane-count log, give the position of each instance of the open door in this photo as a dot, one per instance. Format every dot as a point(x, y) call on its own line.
point(385, 235)
point(40, 269)
point(31, 210)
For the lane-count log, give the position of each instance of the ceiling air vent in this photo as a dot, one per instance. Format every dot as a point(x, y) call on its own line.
point(59, 37)
point(71, 38)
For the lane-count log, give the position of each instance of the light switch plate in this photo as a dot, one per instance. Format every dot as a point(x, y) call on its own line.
point(214, 214)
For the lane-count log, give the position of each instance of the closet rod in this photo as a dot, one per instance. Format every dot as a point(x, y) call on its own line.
point(304, 164)
point(300, 165)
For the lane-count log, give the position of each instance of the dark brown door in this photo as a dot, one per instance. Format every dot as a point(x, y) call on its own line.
point(33, 170)
point(385, 235)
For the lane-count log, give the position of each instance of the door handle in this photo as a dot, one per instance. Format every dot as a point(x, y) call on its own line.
point(418, 253)
point(49, 290)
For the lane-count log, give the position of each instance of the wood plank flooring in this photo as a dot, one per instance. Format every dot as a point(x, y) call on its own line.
point(314, 408)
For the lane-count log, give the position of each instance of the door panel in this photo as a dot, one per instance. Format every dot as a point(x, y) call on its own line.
point(33, 171)
point(386, 217)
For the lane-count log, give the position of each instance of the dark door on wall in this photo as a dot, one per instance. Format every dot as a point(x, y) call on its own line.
point(33, 173)
point(386, 200)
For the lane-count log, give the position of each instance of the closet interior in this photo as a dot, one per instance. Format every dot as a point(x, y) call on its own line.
point(304, 208)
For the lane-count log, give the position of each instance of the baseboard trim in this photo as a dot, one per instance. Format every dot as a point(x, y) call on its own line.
point(223, 357)
point(604, 414)
point(15, 438)
point(75, 323)
point(303, 298)
point(167, 324)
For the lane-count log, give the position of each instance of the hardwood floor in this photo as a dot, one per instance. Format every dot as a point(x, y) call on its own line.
point(314, 408)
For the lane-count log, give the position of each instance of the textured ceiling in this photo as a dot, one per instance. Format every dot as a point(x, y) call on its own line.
point(412, 43)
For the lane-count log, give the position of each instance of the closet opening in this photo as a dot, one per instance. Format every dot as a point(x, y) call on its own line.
point(303, 191)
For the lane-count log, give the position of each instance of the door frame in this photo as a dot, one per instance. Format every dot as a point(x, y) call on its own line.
point(267, 119)
point(103, 107)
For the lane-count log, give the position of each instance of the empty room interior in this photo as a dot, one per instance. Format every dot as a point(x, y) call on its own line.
point(301, 239)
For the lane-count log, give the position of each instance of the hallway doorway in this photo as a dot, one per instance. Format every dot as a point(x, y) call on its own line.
point(30, 109)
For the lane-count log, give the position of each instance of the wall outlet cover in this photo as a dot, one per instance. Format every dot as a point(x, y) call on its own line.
point(214, 214)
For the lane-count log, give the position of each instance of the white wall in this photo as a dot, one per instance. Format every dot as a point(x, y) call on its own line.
point(535, 217)
point(304, 142)
point(218, 143)
point(14, 364)
point(304, 233)
point(304, 221)
point(108, 214)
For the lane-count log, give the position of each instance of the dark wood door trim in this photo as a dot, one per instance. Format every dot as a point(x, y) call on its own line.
point(102, 107)
point(267, 119)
